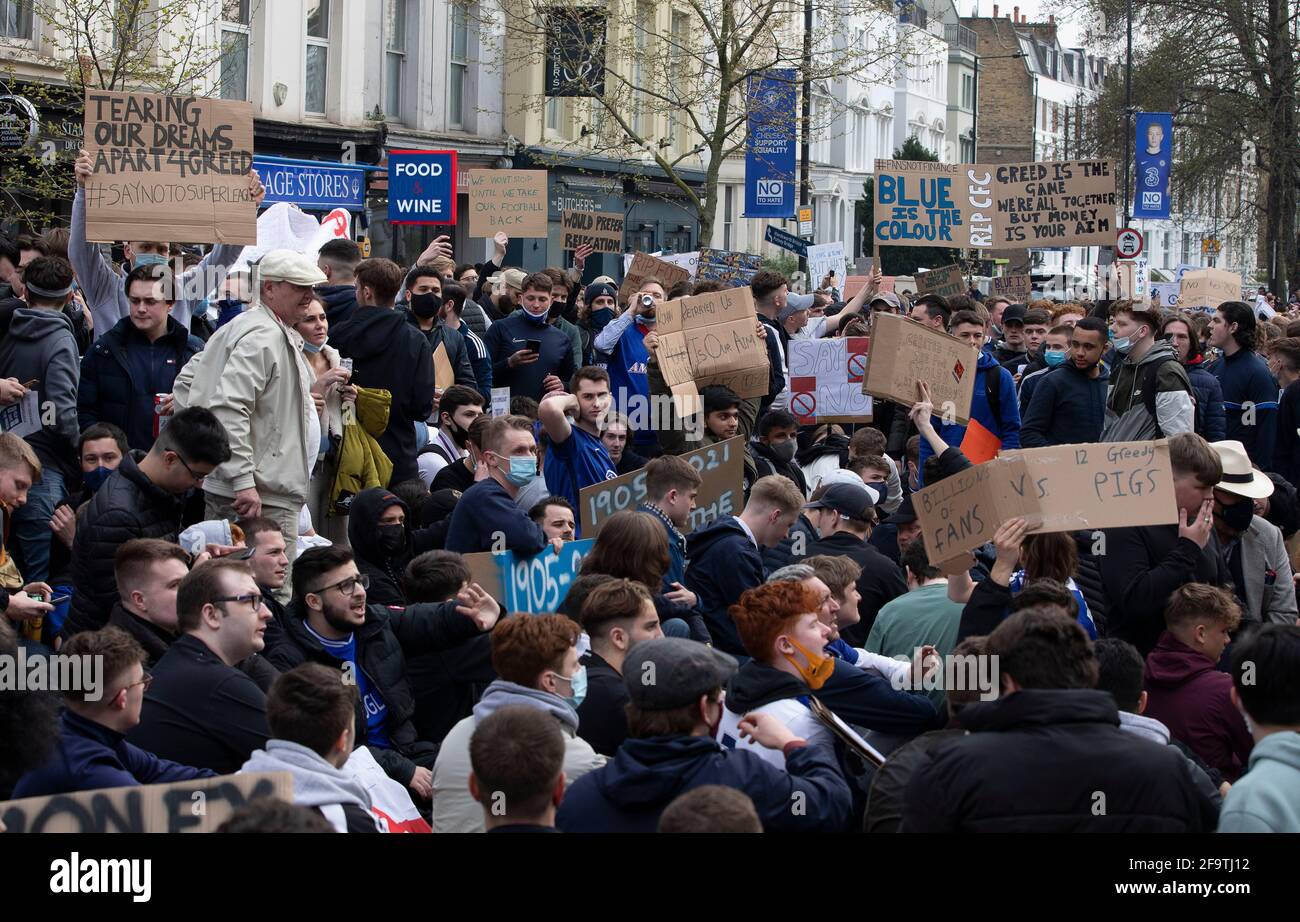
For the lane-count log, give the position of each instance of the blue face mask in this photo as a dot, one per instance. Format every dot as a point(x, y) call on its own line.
point(311, 348)
point(95, 479)
point(522, 470)
point(578, 687)
point(1122, 344)
point(148, 259)
point(1054, 359)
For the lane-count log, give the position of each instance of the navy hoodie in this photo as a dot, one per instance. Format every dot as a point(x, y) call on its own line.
point(629, 792)
point(506, 337)
point(1246, 380)
point(389, 353)
point(340, 302)
point(1067, 408)
point(722, 562)
point(384, 569)
point(485, 509)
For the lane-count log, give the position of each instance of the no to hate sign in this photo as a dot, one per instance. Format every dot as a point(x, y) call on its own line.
point(421, 187)
point(169, 168)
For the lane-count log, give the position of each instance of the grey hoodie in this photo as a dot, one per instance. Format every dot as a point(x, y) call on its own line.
point(316, 783)
point(500, 693)
point(41, 346)
point(1127, 417)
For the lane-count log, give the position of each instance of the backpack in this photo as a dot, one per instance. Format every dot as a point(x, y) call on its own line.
point(1146, 383)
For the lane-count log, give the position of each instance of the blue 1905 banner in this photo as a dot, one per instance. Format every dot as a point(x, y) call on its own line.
point(422, 186)
point(770, 145)
point(1154, 144)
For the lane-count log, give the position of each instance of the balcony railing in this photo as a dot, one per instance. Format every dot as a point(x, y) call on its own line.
point(960, 36)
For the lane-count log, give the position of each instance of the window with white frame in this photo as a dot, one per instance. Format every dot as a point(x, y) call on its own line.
point(458, 69)
point(317, 53)
point(728, 205)
point(641, 41)
point(677, 65)
point(16, 19)
point(394, 56)
point(234, 49)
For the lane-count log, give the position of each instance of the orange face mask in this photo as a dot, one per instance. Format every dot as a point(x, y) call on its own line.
point(817, 671)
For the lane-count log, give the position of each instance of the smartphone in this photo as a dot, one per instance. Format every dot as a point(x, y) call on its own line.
point(533, 345)
point(346, 363)
point(59, 599)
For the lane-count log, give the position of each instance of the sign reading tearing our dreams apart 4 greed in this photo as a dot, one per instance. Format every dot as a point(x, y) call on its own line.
point(1059, 488)
point(721, 467)
point(169, 168)
point(513, 201)
point(903, 353)
point(710, 339)
point(826, 380)
point(986, 206)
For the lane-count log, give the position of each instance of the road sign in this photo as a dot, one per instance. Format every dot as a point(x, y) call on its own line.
point(1210, 246)
point(1128, 243)
point(786, 240)
point(806, 221)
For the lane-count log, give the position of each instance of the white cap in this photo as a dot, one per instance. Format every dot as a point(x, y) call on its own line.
point(289, 266)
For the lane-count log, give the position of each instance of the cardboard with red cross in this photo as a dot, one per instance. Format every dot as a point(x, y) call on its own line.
point(904, 352)
point(826, 380)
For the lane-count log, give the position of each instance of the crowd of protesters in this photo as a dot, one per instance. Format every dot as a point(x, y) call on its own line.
point(251, 499)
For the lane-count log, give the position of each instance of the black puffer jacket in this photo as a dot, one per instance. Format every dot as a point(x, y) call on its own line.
point(381, 642)
point(1041, 760)
point(128, 505)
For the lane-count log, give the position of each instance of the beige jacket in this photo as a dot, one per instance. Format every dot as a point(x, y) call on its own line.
point(253, 377)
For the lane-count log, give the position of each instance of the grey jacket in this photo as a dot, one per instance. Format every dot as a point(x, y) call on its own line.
point(41, 346)
point(1270, 600)
point(1127, 418)
point(102, 282)
point(316, 783)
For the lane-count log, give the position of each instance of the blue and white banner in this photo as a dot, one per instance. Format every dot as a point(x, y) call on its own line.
point(770, 145)
point(312, 185)
point(422, 186)
point(1153, 154)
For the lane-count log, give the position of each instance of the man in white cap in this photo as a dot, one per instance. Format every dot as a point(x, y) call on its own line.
point(1252, 546)
point(253, 377)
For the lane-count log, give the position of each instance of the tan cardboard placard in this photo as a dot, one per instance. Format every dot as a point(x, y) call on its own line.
point(946, 281)
point(710, 339)
point(1209, 288)
point(1058, 488)
point(644, 266)
point(721, 467)
point(855, 283)
point(513, 201)
point(147, 807)
point(444, 376)
point(602, 230)
point(998, 206)
point(1055, 203)
point(904, 352)
point(169, 168)
point(1015, 288)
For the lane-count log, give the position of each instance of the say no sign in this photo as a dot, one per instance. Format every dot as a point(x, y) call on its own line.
point(421, 186)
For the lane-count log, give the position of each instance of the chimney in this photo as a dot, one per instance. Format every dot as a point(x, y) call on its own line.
point(1015, 14)
point(995, 11)
point(1051, 18)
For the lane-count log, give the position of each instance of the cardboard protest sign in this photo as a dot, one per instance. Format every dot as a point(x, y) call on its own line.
point(23, 416)
point(602, 230)
point(824, 258)
point(444, 376)
point(855, 283)
point(710, 339)
point(721, 467)
point(918, 203)
point(644, 266)
point(535, 584)
point(185, 806)
point(500, 401)
point(946, 281)
point(1015, 288)
point(826, 380)
point(1208, 288)
point(513, 201)
point(1058, 488)
point(1058, 203)
point(904, 352)
point(727, 266)
point(169, 168)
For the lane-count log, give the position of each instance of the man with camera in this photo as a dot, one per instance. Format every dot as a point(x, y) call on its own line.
point(621, 345)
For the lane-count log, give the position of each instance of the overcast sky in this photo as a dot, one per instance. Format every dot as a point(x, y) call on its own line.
point(1069, 25)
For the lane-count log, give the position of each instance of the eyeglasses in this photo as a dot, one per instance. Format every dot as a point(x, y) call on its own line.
point(346, 586)
point(146, 682)
point(198, 478)
point(253, 598)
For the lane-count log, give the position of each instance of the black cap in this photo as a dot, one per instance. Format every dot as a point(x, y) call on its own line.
point(905, 514)
point(672, 672)
point(850, 500)
point(1013, 313)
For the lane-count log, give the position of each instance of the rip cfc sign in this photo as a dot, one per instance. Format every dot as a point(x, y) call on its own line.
point(422, 187)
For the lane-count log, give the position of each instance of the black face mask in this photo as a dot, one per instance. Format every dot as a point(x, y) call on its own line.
point(392, 538)
point(459, 434)
point(426, 305)
point(1238, 515)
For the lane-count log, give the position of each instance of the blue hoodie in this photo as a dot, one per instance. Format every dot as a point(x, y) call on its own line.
point(629, 793)
point(1009, 431)
point(1246, 381)
point(722, 562)
point(1067, 408)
